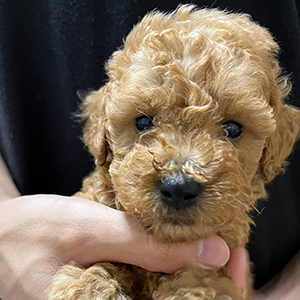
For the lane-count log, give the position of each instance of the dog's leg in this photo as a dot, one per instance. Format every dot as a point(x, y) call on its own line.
point(196, 285)
point(95, 283)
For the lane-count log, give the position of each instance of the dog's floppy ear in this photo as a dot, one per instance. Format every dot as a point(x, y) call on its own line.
point(280, 143)
point(94, 133)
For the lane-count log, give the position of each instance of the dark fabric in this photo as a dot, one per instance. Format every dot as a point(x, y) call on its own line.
point(51, 49)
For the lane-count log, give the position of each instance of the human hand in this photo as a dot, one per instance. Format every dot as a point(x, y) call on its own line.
point(41, 233)
point(285, 286)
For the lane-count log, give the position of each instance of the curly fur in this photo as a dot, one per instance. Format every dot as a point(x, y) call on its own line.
point(190, 70)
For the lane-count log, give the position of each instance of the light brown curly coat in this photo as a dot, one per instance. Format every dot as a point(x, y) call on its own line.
point(190, 70)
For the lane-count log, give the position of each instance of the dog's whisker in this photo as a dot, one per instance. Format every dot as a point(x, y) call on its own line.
point(231, 204)
point(108, 191)
point(240, 202)
point(256, 209)
point(224, 222)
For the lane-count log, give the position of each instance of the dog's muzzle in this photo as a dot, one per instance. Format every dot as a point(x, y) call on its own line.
point(178, 191)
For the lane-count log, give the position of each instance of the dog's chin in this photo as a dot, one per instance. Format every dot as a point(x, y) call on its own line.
point(176, 228)
point(178, 221)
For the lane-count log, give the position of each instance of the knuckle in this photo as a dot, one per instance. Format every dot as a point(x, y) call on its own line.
point(164, 258)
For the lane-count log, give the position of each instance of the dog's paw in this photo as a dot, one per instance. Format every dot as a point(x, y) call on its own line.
point(196, 284)
point(198, 293)
point(94, 283)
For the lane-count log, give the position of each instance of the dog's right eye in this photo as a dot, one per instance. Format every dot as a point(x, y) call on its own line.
point(233, 129)
point(143, 123)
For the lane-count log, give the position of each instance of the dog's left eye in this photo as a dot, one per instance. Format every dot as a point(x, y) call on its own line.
point(233, 129)
point(143, 123)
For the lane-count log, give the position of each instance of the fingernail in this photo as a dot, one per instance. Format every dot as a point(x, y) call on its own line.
point(213, 252)
point(224, 297)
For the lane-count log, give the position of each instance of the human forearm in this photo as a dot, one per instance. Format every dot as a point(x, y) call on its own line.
point(8, 189)
point(285, 286)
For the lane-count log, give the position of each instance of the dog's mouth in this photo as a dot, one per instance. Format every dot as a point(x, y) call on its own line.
point(179, 222)
point(170, 226)
point(178, 219)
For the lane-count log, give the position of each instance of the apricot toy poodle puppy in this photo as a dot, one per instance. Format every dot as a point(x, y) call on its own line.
point(190, 126)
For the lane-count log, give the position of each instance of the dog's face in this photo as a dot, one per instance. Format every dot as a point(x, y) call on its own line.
point(192, 123)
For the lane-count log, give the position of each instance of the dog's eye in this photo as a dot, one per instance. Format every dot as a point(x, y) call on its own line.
point(233, 129)
point(143, 123)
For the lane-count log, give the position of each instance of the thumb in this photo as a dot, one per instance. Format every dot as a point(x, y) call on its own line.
point(210, 253)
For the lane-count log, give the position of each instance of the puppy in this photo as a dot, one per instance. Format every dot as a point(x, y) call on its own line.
point(185, 134)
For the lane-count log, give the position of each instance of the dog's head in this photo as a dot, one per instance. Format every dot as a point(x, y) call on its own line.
point(191, 123)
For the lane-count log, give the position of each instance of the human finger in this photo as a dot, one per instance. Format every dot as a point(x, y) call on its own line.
point(210, 253)
point(238, 267)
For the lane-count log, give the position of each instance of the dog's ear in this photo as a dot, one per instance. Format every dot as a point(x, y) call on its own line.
point(94, 133)
point(280, 143)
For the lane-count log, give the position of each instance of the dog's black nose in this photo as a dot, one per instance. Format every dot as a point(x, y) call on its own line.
point(179, 192)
